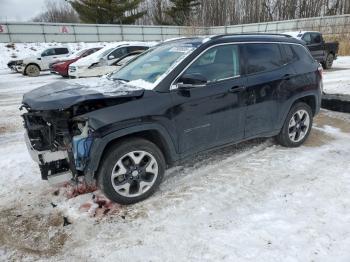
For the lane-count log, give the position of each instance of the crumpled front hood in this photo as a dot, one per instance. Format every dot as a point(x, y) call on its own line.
point(64, 94)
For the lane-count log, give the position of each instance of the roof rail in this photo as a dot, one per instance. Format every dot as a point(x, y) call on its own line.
point(237, 34)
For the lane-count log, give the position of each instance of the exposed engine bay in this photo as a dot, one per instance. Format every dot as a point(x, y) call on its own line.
point(58, 135)
point(60, 143)
point(60, 140)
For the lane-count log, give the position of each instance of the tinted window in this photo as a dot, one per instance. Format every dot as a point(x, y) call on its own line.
point(136, 48)
point(307, 38)
point(315, 38)
point(289, 54)
point(118, 53)
point(48, 52)
point(217, 63)
point(262, 57)
point(89, 52)
point(303, 53)
point(61, 51)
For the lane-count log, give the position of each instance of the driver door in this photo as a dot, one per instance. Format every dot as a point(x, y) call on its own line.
point(47, 58)
point(208, 100)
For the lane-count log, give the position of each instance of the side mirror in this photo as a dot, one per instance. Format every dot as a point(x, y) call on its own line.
point(110, 57)
point(191, 80)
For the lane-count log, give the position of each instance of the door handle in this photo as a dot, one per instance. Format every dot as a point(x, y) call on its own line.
point(236, 89)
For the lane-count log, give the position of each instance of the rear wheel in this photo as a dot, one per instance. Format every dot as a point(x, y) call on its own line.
point(329, 61)
point(131, 171)
point(297, 126)
point(32, 70)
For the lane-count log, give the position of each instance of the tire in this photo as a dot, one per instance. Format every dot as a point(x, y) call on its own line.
point(297, 126)
point(131, 171)
point(32, 70)
point(329, 61)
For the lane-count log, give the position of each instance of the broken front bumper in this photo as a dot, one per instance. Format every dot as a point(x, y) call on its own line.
point(48, 161)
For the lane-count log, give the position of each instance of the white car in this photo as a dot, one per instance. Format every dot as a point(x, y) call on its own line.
point(107, 56)
point(32, 65)
point(107, 69)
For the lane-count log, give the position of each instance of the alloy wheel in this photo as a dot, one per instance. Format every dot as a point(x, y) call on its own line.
point(299, 125)
point(134, 173)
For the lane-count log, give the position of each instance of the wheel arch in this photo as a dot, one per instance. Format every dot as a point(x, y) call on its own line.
point(153, 133)
point(308, 98)
point(32, 63)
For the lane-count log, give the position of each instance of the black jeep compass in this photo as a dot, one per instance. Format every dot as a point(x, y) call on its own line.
point(177, 99)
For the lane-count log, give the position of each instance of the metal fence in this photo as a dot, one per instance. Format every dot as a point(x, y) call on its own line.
point(50, 32)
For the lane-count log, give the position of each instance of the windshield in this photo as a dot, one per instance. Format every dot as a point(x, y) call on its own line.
point(106, 52)
point(153, 65)
point(79, 53)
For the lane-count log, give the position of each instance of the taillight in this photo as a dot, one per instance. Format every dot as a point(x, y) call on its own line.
point(320, 71)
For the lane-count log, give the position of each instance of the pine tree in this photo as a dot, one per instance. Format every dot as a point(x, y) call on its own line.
point(181, 11)
point(107, 11)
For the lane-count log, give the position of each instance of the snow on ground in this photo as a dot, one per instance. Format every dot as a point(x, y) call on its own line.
point(337, 79)
point(255, 201)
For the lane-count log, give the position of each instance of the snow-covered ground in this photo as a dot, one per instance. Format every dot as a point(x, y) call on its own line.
point(337, 79)
point(22, 50)
point(255, 201)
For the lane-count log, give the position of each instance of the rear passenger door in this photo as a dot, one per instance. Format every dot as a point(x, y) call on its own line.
point(267, 75)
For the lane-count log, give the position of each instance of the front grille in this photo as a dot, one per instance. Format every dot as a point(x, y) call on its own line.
point(72, 69)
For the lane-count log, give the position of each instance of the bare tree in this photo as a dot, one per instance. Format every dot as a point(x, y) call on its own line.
point(57, 12)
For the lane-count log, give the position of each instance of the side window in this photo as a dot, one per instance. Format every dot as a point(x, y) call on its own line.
point(289, 54)
point(48, 52)
point(61, 51)
point(307, 38)
point(217, 63)
point(262, 57)
point(136, 48)
point(315, 38)
point(88, 52)
point(117, 53)
point(303, 54)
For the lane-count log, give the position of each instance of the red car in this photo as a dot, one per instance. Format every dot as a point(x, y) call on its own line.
point(61, 67)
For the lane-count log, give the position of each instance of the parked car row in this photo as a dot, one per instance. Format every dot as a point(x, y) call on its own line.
point(98, 61)
point(89, 62)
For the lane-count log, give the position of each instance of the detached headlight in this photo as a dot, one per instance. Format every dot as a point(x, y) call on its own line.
point(81, 143)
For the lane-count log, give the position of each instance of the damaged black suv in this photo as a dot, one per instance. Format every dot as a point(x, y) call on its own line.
point(179, 98)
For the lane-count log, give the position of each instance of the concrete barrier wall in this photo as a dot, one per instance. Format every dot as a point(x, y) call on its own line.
point(50, 32)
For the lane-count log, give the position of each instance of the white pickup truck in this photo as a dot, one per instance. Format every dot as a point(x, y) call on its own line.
point(32, 65)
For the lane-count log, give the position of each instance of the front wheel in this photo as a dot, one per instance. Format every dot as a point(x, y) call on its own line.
point(32, 70)
point(297, 126)
point(131, 171)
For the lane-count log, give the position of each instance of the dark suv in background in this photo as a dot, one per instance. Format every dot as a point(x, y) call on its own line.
point(177, 99)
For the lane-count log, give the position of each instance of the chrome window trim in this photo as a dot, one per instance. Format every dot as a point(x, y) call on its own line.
point(174, 86)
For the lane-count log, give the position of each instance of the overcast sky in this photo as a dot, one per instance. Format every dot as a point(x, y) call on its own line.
point(20, 10)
